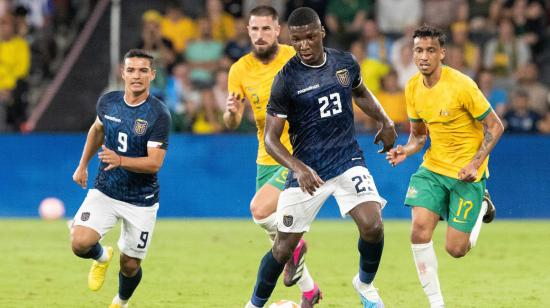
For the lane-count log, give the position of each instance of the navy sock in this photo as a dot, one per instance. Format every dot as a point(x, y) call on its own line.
point(370, 255)
point(94, 252)
point(268, 273)
point(127, 285)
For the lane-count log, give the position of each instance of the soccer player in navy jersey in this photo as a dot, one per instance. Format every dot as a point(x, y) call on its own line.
point(131, 129)
point(313, 92)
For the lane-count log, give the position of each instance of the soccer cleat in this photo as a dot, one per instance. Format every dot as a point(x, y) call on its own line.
point(295, 266)
point(118, 306)
point(96, 276)
point(311, 298)
point(368, 294)
point(491, 210)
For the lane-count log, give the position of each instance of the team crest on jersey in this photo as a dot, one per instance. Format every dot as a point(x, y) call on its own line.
point(85, 216)
point(343, 78)
point(140, 126)
point(288, 220)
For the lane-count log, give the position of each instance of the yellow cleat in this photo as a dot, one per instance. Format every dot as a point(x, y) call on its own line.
point(117, 306)
point(96, 276)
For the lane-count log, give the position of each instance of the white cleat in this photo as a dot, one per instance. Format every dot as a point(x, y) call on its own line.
point(368, 294)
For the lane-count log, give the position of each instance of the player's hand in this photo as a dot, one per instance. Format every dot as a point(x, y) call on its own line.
point(80, 176)
point(396, 155)
point(468, 173)
point(110, 157)
point(387, 135)
point(308, 179)
point(232, 103)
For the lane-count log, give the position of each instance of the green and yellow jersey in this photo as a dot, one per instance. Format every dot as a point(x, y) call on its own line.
point(451, 110)
point(252, 79)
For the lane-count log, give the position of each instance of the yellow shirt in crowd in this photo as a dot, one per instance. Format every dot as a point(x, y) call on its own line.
point(452, 110)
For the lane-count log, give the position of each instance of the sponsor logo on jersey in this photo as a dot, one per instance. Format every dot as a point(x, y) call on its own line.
point(108, 117)
point(288, 220)
point(343, 78)
point(140, 126)
point(85, 216)
point(443, 113)
point(313, 87)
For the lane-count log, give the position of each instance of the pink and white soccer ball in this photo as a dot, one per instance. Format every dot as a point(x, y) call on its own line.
point(284, 304)
point(51, 209)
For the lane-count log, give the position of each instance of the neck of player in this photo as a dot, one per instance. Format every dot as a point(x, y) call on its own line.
point(134, 98)
point(432, 79)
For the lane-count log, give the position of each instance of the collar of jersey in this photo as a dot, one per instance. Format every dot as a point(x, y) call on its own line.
point(133, 106)
point(317, 66)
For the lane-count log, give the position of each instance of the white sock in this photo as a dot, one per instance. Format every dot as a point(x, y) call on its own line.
point(426, 267)
point(122, 303)
point(477, 227)
point(104, 257)
point(305, 283)
point(269, 224)
point(250, 305)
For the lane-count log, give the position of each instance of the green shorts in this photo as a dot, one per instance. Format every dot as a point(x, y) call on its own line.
point(274, 175)
point(454, 200)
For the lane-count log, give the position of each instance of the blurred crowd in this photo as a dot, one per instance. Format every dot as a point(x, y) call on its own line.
point(499, 43)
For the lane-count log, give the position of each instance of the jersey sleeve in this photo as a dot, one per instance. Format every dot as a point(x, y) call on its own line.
point(100, 110)
point(411, 111)
point(356, 74)
point(475, 102)
point(234, 81)
point(279, 99)
point(161, 129)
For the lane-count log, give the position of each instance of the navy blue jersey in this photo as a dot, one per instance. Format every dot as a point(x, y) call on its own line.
point(129, 130)
point(317, 103)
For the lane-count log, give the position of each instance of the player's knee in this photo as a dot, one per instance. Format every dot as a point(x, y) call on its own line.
point(373, 232)
point(259, 211)
point(79, 247)
point(129, 267)
point(456, 251)
point(420, 234)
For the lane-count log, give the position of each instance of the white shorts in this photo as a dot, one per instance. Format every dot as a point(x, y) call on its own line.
point(296, 209)
point(101, 212)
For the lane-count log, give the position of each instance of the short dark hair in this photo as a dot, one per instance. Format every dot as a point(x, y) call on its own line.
point(303, 16)
point(139, 53)
point(264, 10)
point(429, 31)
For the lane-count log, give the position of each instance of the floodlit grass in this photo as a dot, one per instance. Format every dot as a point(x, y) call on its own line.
point(213, 263)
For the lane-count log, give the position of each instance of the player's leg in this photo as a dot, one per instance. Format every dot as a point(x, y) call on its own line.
point(94, 218)
point(428, 197)
point(138, 224)
point(358, 197)
point(466, 212)
point(491, 209)
point(270, 182)
point(299, 210)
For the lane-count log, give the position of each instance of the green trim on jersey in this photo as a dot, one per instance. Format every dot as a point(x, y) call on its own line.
point(415, 120)
point(274, 175)
point(456, 201)
point(484, 115)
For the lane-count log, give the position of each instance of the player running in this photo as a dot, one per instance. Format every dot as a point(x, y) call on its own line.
point(250, 78)
point(450, 183)
point(132, 131)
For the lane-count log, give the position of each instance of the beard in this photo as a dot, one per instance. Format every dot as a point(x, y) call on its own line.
point(267, 53)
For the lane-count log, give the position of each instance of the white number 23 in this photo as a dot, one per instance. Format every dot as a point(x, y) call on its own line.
point(327, 109)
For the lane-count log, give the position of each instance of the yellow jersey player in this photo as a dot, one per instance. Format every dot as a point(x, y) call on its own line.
point(450, 183)
point(250, 79)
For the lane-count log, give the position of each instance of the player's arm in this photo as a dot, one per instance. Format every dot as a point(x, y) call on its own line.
point(492, 130)
point(234, 109)
point(370, 105)
point(417, 140)
point(146, 164)
point(307, 178)
point(94, 140)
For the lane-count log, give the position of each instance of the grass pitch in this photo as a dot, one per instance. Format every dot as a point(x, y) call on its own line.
point(213, 263)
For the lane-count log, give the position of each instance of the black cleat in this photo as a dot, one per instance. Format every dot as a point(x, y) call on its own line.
point(491, 210)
